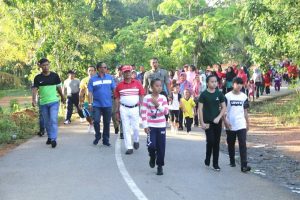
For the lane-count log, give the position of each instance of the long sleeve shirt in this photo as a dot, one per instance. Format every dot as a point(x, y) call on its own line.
point(154, 117)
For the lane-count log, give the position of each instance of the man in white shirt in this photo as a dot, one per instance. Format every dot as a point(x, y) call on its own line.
point(237, 123)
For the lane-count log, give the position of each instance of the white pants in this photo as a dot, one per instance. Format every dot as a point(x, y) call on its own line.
point(130, 124)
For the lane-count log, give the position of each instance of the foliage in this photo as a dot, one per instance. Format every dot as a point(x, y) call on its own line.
point(14, 105)
point(8, 81)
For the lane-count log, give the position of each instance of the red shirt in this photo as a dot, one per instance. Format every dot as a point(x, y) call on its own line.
point(129, 93)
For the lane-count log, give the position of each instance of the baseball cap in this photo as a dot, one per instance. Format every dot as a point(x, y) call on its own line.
point(126, 68)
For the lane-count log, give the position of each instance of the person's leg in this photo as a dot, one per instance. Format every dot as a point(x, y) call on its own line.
point(231, 138)
point(46, 116)
point(125, 117)
point(209, 144)
point(76, 103)
point(242, 137)
point(135, 117)
point(114, 118)
point(69, 108)
point(106, 124)
point(180, 119)
point(53, 113)
point(161, 146)
point(217, 129)
point(196, 120)
point(257, 89)
point(97, 116)
point(189, 122)
point(151, 144)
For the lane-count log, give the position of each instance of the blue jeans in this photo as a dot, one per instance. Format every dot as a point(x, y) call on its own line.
point(50, 115)
point(106, 112)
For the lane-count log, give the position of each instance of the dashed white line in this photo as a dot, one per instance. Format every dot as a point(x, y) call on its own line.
point(126, 176)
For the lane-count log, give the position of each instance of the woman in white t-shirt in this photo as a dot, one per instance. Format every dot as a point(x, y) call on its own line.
point(237, 123)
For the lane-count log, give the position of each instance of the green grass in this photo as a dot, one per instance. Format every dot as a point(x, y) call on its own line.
point(15, 92)
point(286, 110)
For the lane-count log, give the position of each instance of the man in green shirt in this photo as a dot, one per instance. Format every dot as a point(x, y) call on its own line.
point(46, 85)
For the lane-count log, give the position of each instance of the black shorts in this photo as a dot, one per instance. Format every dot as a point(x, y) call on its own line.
point(174, 115)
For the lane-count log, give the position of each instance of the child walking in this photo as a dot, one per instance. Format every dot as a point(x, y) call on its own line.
point(252, 89)
point(153, 111)
point(188, 105)
point(237, 123)
point(210, 118)
point(174, 104)
point(277, 81)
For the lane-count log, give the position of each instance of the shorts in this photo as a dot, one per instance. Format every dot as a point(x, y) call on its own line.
point(174, 116)
point(85, 110)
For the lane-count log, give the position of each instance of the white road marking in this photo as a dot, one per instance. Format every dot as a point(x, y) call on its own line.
point(126, 176)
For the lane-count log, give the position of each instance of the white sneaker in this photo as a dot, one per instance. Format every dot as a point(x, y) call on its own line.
point(67, 122)
point(91, 129)
point(82, 120)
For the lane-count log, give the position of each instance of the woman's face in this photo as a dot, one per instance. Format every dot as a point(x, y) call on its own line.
point(197, 77)
point(212, 82)
point(157, 87)
point(229, 69)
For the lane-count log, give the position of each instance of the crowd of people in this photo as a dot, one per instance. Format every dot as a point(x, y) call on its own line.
point(157, 98)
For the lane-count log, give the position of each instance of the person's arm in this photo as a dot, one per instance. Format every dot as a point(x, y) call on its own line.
point(59, 90)
point(247, 118)
point(146, 84)
point(167, 82)
point(34, 96)
point(144, 115)
point(223, 110)
point(200, 113)
point(82, 93)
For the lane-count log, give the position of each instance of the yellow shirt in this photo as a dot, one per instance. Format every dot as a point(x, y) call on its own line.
point(188, 107)
point(83, 86)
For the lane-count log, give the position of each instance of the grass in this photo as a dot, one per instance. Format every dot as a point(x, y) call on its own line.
point(15, 92)
point(286, 109)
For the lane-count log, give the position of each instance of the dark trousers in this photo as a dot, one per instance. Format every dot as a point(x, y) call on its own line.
point(268, 90)
point(156, 142)
point(180, 119)
point(106, 112)
point(258, 85)
point(189, 122)
point(73, 100)
point(196, 121)
point(277, 86)
point(231, 138)
point(213, 135)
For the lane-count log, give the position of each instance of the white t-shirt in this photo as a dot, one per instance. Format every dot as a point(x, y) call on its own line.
point(236, 103)
point(174, 105)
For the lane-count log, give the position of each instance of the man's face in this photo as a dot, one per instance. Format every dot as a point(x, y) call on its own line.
point(127, 74)
point(91, 71)
point(45, 67)
point(142, 68)
point(237, 87)
point(103, 68)
point(154, 63)
point(71, 75)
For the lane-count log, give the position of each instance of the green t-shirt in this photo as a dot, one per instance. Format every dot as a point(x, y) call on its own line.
point(211, 104)
point(47, 87)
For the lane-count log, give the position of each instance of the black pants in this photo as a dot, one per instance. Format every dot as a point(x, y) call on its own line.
point(73, 100)
point(196, 121)
point(231, 138)
point(180, 119)
point(268, 91)
point(258, 85)
point(213, 135)
point(156, 142)
point(189, 122)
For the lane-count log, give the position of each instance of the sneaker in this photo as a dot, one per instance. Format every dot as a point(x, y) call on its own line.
point(159, 171)
point(53, 143)
point(117, 130)
point(152, 161)
point(106, 144)
point(129, 151)
point(41, 133)
point(180, 128)
point(48, 141)
point(232, 164)
point(95, 142)
point(206, 162)
point(216, 168)
point(121, 136)
point(136, 145)
point(91, 129)
point(246, 169)
point(67, 122)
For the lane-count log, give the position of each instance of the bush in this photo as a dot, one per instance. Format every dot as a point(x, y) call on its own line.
point(14, 105)
point(9, 81)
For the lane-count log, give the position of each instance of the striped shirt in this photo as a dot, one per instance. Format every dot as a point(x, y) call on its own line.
point(129, 93)
point(154, 117)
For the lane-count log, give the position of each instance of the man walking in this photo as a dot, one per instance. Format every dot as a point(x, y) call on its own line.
point(46, 85)
point(129, 94)
point(71, 88)
point(84, 100)
point(101, 88)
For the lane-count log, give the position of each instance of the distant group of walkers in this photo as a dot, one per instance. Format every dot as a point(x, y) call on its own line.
point(157, 98)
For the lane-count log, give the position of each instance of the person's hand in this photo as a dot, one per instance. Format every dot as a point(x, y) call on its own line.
point(147, 130)
point(216, 120)
point(118, 116)
point(155, 103)
point(34, 103)
point(203, 126)
point(80, 105)
point(90, 107)
point(228, 125)
point(247, 127)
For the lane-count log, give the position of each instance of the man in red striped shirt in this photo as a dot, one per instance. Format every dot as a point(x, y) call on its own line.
point(129, 94)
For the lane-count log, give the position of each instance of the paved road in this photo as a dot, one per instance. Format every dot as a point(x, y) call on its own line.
point(78, 170)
